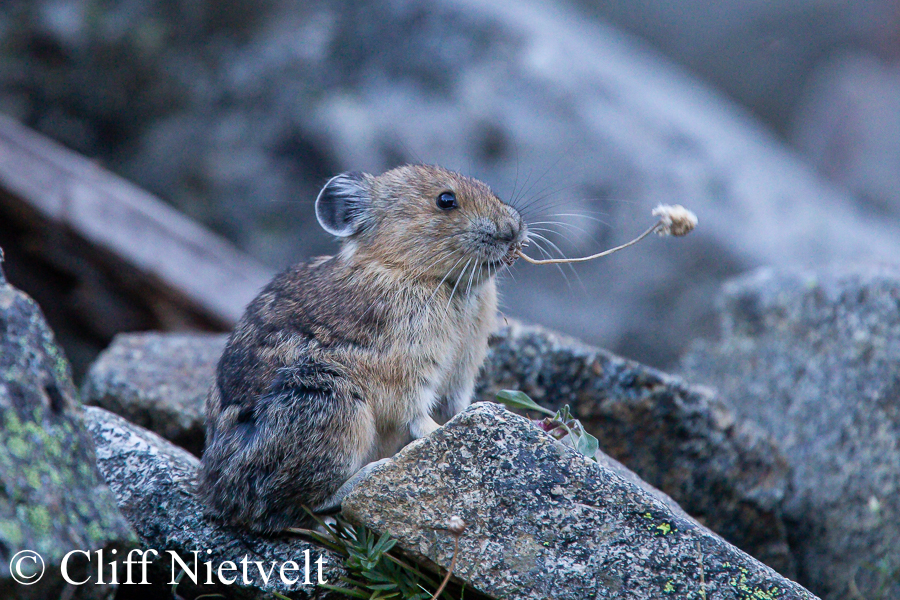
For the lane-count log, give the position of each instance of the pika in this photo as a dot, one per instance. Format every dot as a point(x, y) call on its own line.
point(341, 361)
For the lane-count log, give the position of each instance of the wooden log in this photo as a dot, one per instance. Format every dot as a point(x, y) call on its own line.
point(143, 242)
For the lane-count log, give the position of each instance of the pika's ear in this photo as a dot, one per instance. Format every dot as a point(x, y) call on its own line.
point(343, 204)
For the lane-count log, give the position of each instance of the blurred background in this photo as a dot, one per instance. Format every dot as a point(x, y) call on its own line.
point(778, 123)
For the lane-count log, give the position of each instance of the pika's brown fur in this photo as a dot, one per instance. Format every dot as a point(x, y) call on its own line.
point(341, 361)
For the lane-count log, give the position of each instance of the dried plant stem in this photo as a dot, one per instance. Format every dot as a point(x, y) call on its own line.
point(556, 261)
point(450, 569)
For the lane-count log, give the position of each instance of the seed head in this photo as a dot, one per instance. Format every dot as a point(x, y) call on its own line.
point(674, 220)
point(456, 525)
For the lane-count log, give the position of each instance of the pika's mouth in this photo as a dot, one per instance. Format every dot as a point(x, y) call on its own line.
point(512, 255)
point(508, 259)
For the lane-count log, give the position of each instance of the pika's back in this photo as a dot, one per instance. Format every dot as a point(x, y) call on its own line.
point(309, 308)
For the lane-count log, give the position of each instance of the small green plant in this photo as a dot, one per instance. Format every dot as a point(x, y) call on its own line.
point(374, 573)
point(560, 424)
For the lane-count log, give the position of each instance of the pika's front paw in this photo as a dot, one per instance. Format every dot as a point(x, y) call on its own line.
point(422, 427)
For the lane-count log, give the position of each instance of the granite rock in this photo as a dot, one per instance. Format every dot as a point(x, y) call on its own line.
point(677, 437)
point(157, 381)
point(53, 499)
point(814, 358)
point(546, 522)
point(153, 481)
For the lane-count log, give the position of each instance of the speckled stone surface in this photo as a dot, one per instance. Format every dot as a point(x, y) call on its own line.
point(679, 438)
point(814, 358)
point(545, 522)
point(52, 499)
point(153, 482)
point(158, 381)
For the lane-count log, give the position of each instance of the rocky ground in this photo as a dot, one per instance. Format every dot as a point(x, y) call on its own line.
point(793, 458)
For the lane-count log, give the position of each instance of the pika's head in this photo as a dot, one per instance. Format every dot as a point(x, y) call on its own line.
point(424, 221)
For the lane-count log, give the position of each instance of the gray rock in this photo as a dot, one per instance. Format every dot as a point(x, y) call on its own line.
point(545, 522)
point(157, 381)
point(53, 500)
point(814, 358)
point(680, 439)
point(527, 95)
point(613, 466)
point(153, 481)
point(847, 125)
point(760, 53)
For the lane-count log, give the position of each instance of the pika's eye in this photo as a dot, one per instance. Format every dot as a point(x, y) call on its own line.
point(446, 201)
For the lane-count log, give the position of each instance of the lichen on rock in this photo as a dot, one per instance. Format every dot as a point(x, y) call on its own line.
point(678, 437)
point(55, 500)
point(813, 357)
point(545, 522)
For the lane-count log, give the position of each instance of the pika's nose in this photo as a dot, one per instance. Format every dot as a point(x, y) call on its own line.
point(507, 232)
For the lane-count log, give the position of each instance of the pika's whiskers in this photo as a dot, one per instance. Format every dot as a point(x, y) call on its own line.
point(453, 291)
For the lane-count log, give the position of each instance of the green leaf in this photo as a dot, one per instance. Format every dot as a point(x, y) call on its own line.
point(517, 399)
point(383, 586)
point(373, 575)
point(563, 415)
point(385, 544)
point(587, 445)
